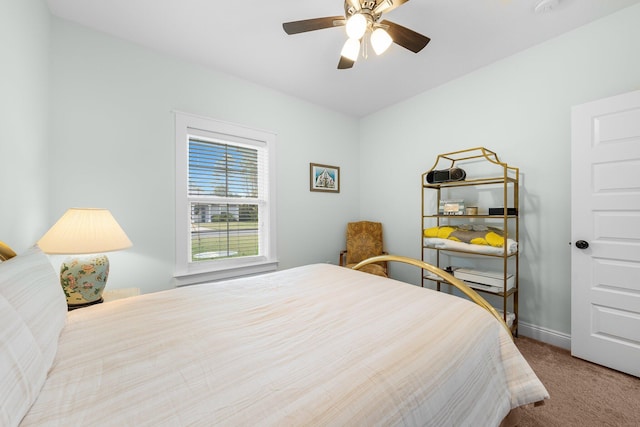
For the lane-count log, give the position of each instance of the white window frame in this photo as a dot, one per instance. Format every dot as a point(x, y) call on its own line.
point(187, 272)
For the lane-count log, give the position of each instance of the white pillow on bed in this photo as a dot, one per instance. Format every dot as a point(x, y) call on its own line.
point(33, 311)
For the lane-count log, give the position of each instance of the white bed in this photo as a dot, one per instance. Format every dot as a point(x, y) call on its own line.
point(314, 345)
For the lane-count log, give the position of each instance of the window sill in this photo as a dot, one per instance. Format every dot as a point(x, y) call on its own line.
point(227, 273)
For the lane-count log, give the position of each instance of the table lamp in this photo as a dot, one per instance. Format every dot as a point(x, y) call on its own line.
point(89, 232)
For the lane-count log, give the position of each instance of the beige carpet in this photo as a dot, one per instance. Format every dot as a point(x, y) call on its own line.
point(582, 393)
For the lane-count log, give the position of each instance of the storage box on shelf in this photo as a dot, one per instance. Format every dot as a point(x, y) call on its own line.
point(480, 244)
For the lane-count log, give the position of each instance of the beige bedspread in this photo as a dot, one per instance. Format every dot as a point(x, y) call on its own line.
point(314, 345)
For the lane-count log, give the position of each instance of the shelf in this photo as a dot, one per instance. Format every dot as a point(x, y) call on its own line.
point(478, 287)
point(471, 216)
point(471, 253)
point(480, 167)
point(469, 182)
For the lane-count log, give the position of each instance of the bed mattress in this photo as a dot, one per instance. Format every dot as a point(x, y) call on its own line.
point(313, 345)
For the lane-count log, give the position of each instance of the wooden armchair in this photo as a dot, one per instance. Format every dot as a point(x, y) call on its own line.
point(364, 240)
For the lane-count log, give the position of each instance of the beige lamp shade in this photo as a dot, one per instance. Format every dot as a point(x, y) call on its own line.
point(84, 231)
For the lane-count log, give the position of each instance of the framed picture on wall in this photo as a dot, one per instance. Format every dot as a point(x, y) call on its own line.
point(324, 178)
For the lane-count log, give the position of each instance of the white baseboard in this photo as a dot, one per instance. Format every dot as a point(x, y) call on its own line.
point(548, 336)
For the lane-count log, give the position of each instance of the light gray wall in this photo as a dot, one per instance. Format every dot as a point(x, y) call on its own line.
point(24, 132)
point(520, 108)
point(113, 133)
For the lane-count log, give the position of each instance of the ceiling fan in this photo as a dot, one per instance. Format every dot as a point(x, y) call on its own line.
point(362, 21)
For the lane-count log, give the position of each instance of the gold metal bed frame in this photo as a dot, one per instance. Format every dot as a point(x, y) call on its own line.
point(473, 295)
point(6, 252)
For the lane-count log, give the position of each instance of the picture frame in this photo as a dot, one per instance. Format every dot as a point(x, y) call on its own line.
point(324, 178)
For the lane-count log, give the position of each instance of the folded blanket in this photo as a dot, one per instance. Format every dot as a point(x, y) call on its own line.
point(437, 243)
point(475, 234)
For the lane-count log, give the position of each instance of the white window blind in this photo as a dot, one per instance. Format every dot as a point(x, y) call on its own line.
point(225, 219)
point(226, 193)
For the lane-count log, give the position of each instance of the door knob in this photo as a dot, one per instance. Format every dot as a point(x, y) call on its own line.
point(581, 244)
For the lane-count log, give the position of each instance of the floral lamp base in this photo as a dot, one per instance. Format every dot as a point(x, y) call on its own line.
point(83, 279)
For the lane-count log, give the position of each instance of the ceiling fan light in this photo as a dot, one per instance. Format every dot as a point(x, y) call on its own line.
point(356, 26)
point(351, 49)
point(380, 40)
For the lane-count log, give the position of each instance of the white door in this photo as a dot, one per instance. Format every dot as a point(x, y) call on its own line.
point(605, 232)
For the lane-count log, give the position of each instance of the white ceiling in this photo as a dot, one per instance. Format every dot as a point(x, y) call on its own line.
point(245, 38)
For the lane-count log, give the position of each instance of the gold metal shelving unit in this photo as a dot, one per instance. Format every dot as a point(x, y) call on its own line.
point(500, 178)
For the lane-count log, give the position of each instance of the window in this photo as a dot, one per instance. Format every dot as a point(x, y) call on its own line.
point(225, 187)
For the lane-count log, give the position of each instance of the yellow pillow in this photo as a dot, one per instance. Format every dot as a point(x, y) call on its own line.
point(440, 232)
point(475, 234)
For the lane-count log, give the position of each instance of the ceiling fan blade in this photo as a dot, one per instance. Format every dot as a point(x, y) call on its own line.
point(305, 25)
point(405, 37)
point(345, 63)
point(386, 6)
